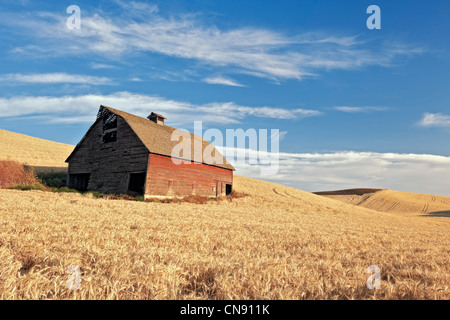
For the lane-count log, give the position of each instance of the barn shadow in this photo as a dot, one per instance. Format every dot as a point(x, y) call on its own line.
point(41, 170)
point(445, 214)
point(55, 177)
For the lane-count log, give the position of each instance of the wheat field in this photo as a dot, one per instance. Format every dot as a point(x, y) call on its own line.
point(33, 151)
point(406, 203)
point(275, 243)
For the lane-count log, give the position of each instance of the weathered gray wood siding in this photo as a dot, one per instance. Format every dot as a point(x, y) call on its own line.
point(109, 164)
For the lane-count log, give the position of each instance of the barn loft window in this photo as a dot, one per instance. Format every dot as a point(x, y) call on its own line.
point(109, 136)
point(109, 125)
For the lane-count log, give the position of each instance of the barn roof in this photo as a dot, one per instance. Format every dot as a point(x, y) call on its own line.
point(157, 138)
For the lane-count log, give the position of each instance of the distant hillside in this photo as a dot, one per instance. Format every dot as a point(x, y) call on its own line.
point(392, 201)
point(33, 151)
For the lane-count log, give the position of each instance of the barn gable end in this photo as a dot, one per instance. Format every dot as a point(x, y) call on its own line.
point(108, 164)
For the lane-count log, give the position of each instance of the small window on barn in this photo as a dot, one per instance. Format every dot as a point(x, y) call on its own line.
point(110, 136)
point(109, 121)
point(109, 126)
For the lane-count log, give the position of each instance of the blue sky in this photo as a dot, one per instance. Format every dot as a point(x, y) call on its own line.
point(357, 107)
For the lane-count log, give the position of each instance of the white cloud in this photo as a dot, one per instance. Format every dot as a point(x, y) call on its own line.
point(223, 81)
point(229, 108)
point(95, 65)
point(421, 173)
point(348, 109)
point(138, 9)
point(52, 78)
point(85, 107)
point(255, 51)
point(435, 120)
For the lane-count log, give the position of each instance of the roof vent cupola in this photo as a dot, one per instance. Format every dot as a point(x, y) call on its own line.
point(156, 118)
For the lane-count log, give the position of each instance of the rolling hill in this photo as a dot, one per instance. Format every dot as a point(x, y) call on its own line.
point(276, 243)
point(393, 201)
point(39, 153)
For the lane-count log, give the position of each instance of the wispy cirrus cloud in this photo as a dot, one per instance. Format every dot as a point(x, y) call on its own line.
point(96, 66)
point(368, 109)
point(135, 8)
point(222, 81)
point(254, 51)
point(84, 108)
point(261, 112)
point(435, 120)
point(53, 78)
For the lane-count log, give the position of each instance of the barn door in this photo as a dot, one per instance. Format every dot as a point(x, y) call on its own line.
point(79, 181)
point(229, 189)
point(136, 185)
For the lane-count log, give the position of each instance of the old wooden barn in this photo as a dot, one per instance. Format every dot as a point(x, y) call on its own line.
point(124, 153)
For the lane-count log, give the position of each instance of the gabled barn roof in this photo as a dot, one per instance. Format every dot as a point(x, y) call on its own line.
point(157, 138)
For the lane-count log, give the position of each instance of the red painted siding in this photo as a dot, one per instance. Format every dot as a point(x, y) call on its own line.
point(164, 178)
